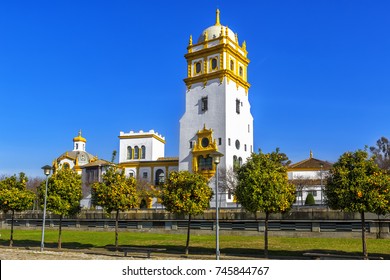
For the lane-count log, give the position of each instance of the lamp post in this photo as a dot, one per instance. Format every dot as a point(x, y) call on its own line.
point(46, 171)
point(217, 159)
point(321, 182)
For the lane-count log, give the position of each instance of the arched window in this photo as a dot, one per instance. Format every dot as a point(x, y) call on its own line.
point(232, 65)
point(66, 165)
point(239, 161)
point(136, 152)
point(214, 63)
point(160, 177)
point(205, 163)
point(129, 152)
point(143, 152)
point(235, 163)
point(198, 67)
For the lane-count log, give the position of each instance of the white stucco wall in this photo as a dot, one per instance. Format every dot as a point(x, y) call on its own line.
point(221, 116)
point(153, 142)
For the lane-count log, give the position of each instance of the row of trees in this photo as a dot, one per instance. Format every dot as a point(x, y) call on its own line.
point(358, 182)
point(355, 183)
point(63, 195)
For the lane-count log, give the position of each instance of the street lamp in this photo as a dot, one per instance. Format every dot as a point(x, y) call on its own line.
point(217, 159)
point(46, 171)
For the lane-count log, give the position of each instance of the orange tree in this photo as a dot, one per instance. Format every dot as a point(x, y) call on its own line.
point(116, 193)
point(186, 193)
point(63, 195)
point(357, 184)
point(15, 197)
point(263, 186)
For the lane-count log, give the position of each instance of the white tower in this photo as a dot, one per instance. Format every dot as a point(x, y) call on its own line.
point(217, 115)
point(79, 143)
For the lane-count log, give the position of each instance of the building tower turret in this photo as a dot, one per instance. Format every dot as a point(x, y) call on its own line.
point(217, 115)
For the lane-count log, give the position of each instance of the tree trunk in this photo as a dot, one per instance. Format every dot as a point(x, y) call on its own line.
point(365, 253)
point(116, 229)
point(378, 234)
point(60, 234)
point(188, 234)
point(11, 240)
point(266, 236)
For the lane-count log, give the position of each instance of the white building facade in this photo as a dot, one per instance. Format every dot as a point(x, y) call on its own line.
point(141, 155)
point(309, 176)
point(217, 110)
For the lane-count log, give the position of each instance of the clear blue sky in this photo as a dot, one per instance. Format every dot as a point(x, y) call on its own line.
point(319, 73)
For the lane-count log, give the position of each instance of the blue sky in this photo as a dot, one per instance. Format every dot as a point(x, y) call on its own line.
point(319, 74)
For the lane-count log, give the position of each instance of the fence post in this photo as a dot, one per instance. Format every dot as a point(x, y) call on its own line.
point(315, 227)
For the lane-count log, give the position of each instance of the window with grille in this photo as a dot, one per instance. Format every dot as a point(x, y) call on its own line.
point(204, 104)
point(238, 105)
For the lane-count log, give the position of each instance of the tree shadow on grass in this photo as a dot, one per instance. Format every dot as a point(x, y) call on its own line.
point(52, 245)
point(297, 255)
point(249, 253)
point(169, 249)
point(194, 252)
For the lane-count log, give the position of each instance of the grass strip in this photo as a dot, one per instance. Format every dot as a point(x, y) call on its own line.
point(200, 244)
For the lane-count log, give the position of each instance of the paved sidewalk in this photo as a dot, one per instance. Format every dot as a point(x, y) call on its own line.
point(7, 253)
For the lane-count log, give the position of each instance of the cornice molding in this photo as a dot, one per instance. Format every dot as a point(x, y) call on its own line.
point(142, 136)
point(219, 74)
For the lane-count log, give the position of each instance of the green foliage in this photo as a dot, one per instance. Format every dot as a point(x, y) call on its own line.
point(116, 192)
point(13, 194)
point(310, 200)
point(357, 184)
point(186, 193)
point(15, 197)
point(263, 184)
point(14, 182)
point(63, 192)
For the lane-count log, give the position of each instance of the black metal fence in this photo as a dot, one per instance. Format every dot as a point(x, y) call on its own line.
point(297, 222)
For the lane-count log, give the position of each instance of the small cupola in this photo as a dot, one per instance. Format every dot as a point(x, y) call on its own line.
point(79, 142)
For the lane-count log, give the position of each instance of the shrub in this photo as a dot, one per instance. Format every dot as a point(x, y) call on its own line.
point(310, 199)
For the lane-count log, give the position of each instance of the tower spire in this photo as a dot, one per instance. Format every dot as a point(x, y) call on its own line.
point(217, 22)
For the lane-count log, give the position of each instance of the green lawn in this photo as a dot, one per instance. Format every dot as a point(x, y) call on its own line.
point(200, 244)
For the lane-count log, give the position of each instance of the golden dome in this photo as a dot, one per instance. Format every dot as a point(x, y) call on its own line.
point(79, 138)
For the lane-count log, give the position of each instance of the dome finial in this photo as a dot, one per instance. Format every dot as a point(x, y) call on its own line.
point(79, 138)
point(311, 154)
point(217, 22)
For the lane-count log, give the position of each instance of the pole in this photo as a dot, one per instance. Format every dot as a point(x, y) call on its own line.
point(44, 217)
point(217, 213)
point(321, 186)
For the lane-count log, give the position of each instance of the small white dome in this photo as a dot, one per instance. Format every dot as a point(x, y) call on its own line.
point(214, 32)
